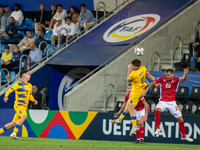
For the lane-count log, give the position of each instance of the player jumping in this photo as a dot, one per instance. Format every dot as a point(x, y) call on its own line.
point(141, 116)
point(169, 85)
point(23, 93)
point(136, 74)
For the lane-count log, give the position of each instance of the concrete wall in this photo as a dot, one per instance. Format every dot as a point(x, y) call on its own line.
point(84, 96)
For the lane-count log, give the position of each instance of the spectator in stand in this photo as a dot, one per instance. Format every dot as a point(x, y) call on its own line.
point(17, 15)
point(43, 89)
point(41, 17)
point(60, 13)
point(56, 30)
point(71, 28)
point(73, 14)
point(25, 43)
point(10, 31)
point(34, 54)
point(6, 57)
point(196, 46)
point(86, 23)
point(15, 60)
point(40, 39)
point(6, 12)
point(50, 16)
point(37, 96)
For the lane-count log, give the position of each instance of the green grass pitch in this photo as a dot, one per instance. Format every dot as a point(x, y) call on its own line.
point(6, 143)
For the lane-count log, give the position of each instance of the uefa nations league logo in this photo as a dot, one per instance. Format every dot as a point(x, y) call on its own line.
point(69, 79)
point(130, 28)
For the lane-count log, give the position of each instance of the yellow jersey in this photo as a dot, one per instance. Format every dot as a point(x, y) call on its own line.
point(6, 57)
point(138, 79)
point(23, 93)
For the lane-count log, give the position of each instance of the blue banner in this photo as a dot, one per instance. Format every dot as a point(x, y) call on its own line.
point(60, 82)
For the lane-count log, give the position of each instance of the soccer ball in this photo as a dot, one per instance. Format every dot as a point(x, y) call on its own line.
point(139, 51)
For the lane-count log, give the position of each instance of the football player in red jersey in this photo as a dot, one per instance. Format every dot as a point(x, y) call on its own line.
point(141, 115)
point(169, 85)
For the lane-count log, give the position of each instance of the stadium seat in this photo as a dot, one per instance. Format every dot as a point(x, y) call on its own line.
point(185, 61)
point(21, 27)
point(152, 105)
point(32, 26)
point(27, 23)
point(12, 75)
point(47, 36)
point(118, 105)
point(154, 94)
point(180, 105)
point(2, 47)
point(181, 94)
point(21, 32)
point(195, 95)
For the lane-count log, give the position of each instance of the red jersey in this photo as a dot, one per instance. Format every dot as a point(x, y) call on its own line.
point(140, 105)
point(168, 88)
point(126, 97)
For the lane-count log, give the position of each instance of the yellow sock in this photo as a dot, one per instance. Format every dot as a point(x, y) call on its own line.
point(123, 114)
point(16, 129)
point(134, 121)
point(1, 131)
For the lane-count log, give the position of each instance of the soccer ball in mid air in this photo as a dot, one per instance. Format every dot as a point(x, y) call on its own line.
point(139, 51)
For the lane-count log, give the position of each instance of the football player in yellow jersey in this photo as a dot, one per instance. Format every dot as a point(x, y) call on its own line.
point(136, 75)
point(23, 93)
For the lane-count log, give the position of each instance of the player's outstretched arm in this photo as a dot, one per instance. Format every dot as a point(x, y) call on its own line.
point(129, 71)
point(120, 111)
point(182, 79)
point(147, 89)
point(9, 91)
point(146, 109)
point(150, 76)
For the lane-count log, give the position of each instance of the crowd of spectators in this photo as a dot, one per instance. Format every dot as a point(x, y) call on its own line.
point(54, 21)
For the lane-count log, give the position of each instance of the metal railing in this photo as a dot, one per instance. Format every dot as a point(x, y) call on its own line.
point(116, 55)
point(79, 26)
point(129, 46)
point(59, 36)
point(180, 45)
point(98, 8)
point(8, 75)
point(105, 97)
point(20, 62)
point(158, 60)
point(40, 51)
point(195, 24)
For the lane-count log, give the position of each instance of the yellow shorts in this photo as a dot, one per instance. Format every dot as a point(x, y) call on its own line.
point(135, 98)
point(19, 112)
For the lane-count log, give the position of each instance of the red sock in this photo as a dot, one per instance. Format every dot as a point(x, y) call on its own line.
point(182, 129)
point(142, 132)
point(138, 135)
point(157, 119)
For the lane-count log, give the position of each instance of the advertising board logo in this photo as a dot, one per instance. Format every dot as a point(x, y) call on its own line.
point(69, 79)
point(130, 28)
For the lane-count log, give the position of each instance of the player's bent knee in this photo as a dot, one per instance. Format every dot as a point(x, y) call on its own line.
point(13, 124)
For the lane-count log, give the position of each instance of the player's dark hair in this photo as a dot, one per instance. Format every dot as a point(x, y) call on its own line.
point(13, 18)
point(5, 6)
point(129, 84)
point(53, 5)
point(7, 47)
point(23, 72)
point(136, 62)
point(60, 6)
point(68, 18)
point(16, 4)
point(82, 5)
point(169, 70)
